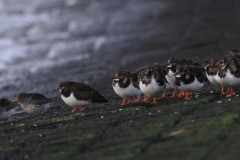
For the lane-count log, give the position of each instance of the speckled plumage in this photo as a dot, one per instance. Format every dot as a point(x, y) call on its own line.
point(171, 70)
point(211, 69)
point(77, 94)
point(190, 78)
point(229, 73)
point(152, 80)
point(125, 84)
point(33, 103)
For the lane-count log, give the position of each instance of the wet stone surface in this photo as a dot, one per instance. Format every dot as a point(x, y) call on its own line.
point(45, 42)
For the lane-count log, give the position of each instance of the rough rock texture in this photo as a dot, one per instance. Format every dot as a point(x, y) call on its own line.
point(45, 42)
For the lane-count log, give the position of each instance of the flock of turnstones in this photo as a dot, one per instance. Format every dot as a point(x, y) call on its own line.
point(183, 74)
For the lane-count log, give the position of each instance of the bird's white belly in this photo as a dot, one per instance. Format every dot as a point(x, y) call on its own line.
point(129, 92)
point(32, 109)
point(192, 87)
point(220, 80)
point(169, 87)
point(73, 102)
point(170, 78)
point(152, 89)
point(213, 80)
point(229, 80)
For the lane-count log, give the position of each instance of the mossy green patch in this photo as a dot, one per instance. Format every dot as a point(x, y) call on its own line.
point(57, 119)
point(8, 148)
point(224, 122)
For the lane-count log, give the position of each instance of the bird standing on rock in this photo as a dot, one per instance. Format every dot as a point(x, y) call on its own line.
point(152, 81)
point(125, 84)
point(79, 94)
point(210, 65)
point(229, 74)
point(190, 79)
point(168, 87)
point(33, 103)
point(170, 71)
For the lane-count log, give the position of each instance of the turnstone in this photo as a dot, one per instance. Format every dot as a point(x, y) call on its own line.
point(6, 109)
point(229, 74)
point(190, 79)
point(168, 87)
point(79, 94)
point(171, 70)
point(33, 103)
point(210, 66)
point(152, 81)
point(125, 84)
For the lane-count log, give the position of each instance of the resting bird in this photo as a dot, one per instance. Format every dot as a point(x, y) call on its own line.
point(79, 95)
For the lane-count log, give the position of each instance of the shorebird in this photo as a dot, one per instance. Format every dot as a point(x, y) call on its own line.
point(125, 84)
point(229, 74)
point(79, 94)
point(190, 79)
point(152, 81)
point(33, 103)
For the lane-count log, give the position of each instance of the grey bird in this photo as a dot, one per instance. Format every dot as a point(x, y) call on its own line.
point(34, 103)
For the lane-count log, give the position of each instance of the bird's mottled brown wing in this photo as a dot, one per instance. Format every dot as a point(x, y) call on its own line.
point(146, 79)
point(222, 71)
point(139, 70)
point(200, 74)
point(84, 92)
point(38, 99)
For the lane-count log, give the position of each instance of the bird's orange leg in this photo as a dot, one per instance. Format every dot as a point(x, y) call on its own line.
point(74, 109)
point(36, 114)
point(138, 100)
point(164, 94)
point(222, 90)
point(181, 93)
point(129, 100)
point(232, 93)
point(146, 98)
point(154, 101)
point(187, 98)
point(82, 108)
point(190, 93)
point(228, 91)
point(174, 93)
point(124, 101)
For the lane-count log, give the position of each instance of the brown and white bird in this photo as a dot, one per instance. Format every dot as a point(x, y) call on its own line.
point(229, 74)
point(190, 79)
point(210, 68)
point(6, 109)
point(152, 81)
point(79, 94)
point(125, 84)
point(168, 87)
point(34, 103)
point(170, 73)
